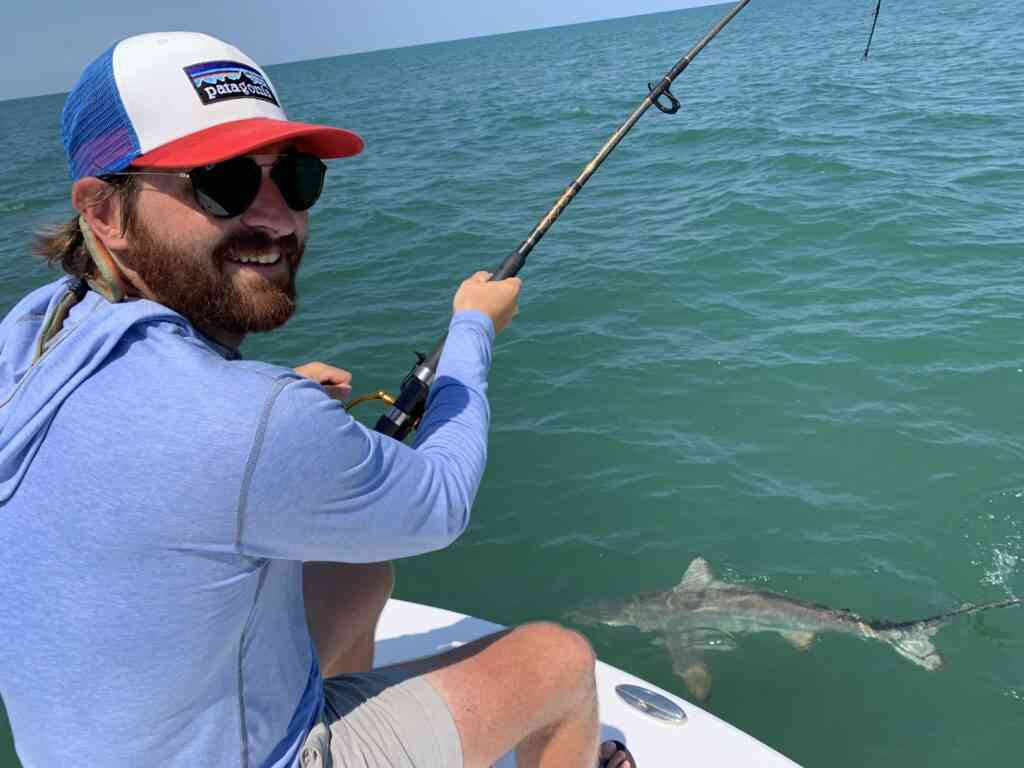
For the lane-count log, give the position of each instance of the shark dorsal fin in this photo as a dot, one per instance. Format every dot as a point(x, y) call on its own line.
point(698, 576)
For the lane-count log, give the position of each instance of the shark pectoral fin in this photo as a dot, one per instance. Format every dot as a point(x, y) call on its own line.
point(688, 664)
point(800, 640)
point(697, 679)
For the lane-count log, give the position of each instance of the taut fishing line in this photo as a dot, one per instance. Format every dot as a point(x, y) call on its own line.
point(407, 408)
point(878, 7)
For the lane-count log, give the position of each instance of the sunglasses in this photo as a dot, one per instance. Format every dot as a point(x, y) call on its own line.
point(227, 189)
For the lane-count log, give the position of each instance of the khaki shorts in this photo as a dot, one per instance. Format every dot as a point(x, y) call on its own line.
point(382, 719)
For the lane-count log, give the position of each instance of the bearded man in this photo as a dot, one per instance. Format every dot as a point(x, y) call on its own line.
point(196, 546)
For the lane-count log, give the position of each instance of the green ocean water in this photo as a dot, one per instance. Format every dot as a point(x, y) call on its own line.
point(780, 330)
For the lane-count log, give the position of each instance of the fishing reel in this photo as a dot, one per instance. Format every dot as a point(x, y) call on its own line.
point(406, 410)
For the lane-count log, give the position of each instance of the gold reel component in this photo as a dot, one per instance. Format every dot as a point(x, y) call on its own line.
point(380, 394)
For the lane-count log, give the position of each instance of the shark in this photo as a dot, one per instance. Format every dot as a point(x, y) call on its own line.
point(704, 614)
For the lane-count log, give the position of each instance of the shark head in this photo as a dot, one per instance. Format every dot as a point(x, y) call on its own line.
point(607, 612)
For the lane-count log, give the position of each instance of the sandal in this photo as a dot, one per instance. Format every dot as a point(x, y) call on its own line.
point(606, 762)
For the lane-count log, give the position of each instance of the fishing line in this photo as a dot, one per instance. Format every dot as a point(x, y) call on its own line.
point(874, 23)
point(407, 408)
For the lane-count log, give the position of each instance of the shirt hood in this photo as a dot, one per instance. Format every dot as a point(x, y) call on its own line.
point(31, 391)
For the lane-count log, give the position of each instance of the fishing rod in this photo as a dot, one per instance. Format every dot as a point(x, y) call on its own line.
point(878, 7)
point(406, 410)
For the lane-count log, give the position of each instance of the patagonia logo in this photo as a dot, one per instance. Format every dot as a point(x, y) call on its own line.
point(223, 80)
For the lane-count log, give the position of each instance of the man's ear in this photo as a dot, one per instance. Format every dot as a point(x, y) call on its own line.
point(100, 206)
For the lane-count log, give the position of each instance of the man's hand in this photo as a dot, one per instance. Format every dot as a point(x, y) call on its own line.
point(337, 382)
point(495, 299)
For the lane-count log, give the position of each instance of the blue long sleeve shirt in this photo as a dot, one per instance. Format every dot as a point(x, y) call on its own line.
point(157, 498)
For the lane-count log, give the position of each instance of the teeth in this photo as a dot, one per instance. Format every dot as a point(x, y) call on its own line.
point(262, 258)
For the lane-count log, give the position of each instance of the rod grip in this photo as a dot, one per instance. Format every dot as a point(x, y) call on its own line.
point(512, 263)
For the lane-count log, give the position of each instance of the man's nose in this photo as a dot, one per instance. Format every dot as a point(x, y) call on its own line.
point(269, 211)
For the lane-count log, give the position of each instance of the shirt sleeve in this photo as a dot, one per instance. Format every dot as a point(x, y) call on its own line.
point(321, 486)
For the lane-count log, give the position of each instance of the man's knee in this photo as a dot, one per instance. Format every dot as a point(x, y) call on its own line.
point(565, 652)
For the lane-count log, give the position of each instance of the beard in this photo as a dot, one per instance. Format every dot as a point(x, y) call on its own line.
point(197, 286)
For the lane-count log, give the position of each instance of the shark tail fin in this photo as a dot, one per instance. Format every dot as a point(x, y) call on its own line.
point(913, 639)
point(914, 643)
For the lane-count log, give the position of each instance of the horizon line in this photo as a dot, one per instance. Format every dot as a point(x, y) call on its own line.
point(706, 4)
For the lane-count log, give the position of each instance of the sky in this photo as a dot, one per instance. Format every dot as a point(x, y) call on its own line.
point(48, 43)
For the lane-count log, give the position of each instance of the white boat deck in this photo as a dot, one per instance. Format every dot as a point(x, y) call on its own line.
point(409, 630)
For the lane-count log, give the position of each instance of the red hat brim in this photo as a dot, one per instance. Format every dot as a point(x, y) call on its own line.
point(242, 137)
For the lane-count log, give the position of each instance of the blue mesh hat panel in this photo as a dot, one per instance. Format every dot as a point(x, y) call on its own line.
point(98, 136)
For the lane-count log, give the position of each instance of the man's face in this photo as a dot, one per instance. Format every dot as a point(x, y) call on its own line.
point(227, 276)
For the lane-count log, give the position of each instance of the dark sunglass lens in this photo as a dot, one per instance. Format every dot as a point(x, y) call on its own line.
point(227, 189)
point(300, 179)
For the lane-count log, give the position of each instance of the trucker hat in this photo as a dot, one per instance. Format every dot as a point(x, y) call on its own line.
point(180, 100)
